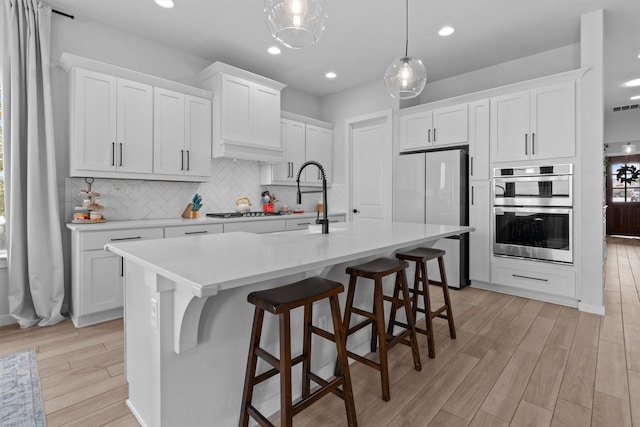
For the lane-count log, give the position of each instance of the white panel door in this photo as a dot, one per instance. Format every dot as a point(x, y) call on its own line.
point(371, 168)
point(480, 239)
point(266, 116)
point(450, 125)
point(197, 136)
point(553, 121)
point(318, 147)
point(237, 109)
point(134, 145)
point(510, 127)
point(94, 121)
point(169, 156)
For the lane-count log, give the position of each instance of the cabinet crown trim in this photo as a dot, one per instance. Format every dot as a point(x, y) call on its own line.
point(307, 120)
point(221, 67)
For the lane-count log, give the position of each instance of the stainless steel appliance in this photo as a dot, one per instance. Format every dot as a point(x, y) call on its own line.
point(431, 187)
point(533, 212)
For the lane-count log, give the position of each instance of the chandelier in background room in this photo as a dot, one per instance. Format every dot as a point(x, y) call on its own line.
point(296, 23)
point(406, 76)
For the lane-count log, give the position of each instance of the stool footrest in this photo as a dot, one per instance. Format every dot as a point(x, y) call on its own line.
point(327, 387)
point(261, 419)
point(268, 357)
point(363, 313)
point(362, 359)
point(359, 326)
point(324, 334)
point(438, 312)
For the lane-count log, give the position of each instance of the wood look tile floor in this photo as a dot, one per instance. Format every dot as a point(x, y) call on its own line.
point(515, 362)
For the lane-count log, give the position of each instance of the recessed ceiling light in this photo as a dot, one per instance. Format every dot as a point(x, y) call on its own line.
point(331, 75)
point(446, 31)
point(165, 3)
point(274, 50)
point(633, 98)
point(632, 83)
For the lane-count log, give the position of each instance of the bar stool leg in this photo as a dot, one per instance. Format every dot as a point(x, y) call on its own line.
point(401, 282)
point(343, 363)
point(347, 317)
point(392, 312)
point(286, 414)
point(306, 351)
point(254, 342)
point(447, 300)
point(384, 364)
point(428, 315)
point(374, 327)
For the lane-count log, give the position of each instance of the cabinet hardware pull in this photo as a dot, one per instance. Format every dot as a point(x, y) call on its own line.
point(113, 154)
point(181, 160)
point(471, 165)
point(533, 143)
point(188, 160)
point(121, 154)
point(434, 134)
point(290, 169)
point(197, 232)
point(303, 223)
point(429, 136)
point(126, 238)
point(121, 267)
point(356, 211)
point(472, 193)
point(334, 220)
point(526, 152)
point(530, 278)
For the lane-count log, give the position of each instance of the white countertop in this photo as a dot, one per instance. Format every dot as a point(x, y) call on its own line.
point(211, 263)
point(176, 222)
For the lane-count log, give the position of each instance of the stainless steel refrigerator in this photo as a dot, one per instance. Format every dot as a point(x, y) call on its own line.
point(432, 187)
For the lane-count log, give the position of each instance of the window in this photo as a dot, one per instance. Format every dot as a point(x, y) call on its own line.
point(624, 181)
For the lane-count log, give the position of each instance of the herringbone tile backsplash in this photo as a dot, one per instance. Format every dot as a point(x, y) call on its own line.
point(136, 199)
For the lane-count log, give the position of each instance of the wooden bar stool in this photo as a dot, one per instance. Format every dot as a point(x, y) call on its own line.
point(281, 301)
point(420, 256)
point(377, 270)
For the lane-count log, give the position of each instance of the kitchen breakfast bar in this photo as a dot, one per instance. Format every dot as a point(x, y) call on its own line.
point(188, 323)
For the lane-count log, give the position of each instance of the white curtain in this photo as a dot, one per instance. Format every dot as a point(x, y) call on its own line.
point(34, 244)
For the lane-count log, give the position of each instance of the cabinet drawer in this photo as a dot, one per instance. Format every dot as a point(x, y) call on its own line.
point(255, 226)
point(91, 240)
point(536, 278)
point(299, 223)
point(192, 230)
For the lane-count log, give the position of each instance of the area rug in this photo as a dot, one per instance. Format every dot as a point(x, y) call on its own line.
point(20, 394)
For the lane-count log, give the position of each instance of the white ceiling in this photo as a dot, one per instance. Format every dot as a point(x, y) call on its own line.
point(363, 36)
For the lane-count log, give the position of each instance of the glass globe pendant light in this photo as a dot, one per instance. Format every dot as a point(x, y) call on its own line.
point(406, 76)
point(296, 23)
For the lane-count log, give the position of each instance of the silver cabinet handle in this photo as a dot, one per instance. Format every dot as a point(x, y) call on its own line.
point(113, 154)
point(471, 166)
point(472, 195)
point(290, 169)
point(434, 134)
point(188, 160)
point(181, 160)
point(303, 223)
point(121, 267)
point(126, 238)
point(196, 232)
point(121, 154)
point(533, 143)
point(530, 278)
point(429, 136)
point(526, 152)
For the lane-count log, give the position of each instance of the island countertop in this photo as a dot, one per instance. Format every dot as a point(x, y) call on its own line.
point(211, 263)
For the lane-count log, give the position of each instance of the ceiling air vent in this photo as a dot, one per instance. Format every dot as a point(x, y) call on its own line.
point(627, 107)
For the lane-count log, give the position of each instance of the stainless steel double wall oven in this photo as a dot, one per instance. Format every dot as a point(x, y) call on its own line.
point(533, 212)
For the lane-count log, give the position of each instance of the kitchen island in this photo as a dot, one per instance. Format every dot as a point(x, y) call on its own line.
point(187, 321)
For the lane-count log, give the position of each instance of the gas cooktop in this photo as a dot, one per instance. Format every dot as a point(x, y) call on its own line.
point(240, 214)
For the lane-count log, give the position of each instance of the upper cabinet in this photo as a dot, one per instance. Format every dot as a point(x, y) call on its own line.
point(246, 113)
point(432, 128)
point(479, 140)
point(182, 134)
point(130, 125)
point(303, 139)
point(534, 124)
point(111, 124)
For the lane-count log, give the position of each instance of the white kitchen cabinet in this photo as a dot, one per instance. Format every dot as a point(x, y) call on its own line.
point(182, 134)
point(479, 168)
point(480, 239)
point(246, 113)
point(534, 124)
point(535, 279)
point(111, 124)
point(303, 139)
point(259, 226)
point(433, 128)
point(97, 275)
point(304, 223)
point(192, 230)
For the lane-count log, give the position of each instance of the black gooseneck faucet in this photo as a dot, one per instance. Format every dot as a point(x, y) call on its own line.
point(325, 220)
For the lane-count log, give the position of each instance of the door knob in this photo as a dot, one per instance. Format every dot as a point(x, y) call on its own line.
point(356, 211)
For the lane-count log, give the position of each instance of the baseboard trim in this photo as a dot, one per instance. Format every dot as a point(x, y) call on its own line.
point(6, 319)
point(526, 293)
point(590, 308)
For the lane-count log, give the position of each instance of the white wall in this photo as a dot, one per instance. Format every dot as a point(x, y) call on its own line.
point(622, 126)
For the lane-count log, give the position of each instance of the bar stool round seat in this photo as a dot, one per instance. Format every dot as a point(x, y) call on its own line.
point(280, 301)
point(377, 270)
point(421, 287)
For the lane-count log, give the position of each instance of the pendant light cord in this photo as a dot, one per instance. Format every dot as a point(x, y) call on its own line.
point(406, 46)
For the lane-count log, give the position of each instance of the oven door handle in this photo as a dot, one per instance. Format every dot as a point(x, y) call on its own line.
point(500, 210)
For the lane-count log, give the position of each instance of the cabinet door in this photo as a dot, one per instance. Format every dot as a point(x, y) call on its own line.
point(450, 125)
point(510, 127)
point(292, 136)
point(94, 122)
point(237, 110)
point(480, 239)
point(102, 283)
point(197, 136)
point(266, 117)
point(553, 121)
point(169, 156)
point(479, 140)
point(415, 130)
point(319, 143)
point(134, 144)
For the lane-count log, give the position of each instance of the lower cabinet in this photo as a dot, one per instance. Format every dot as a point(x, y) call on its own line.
point(480, 240)
point(535, 279)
